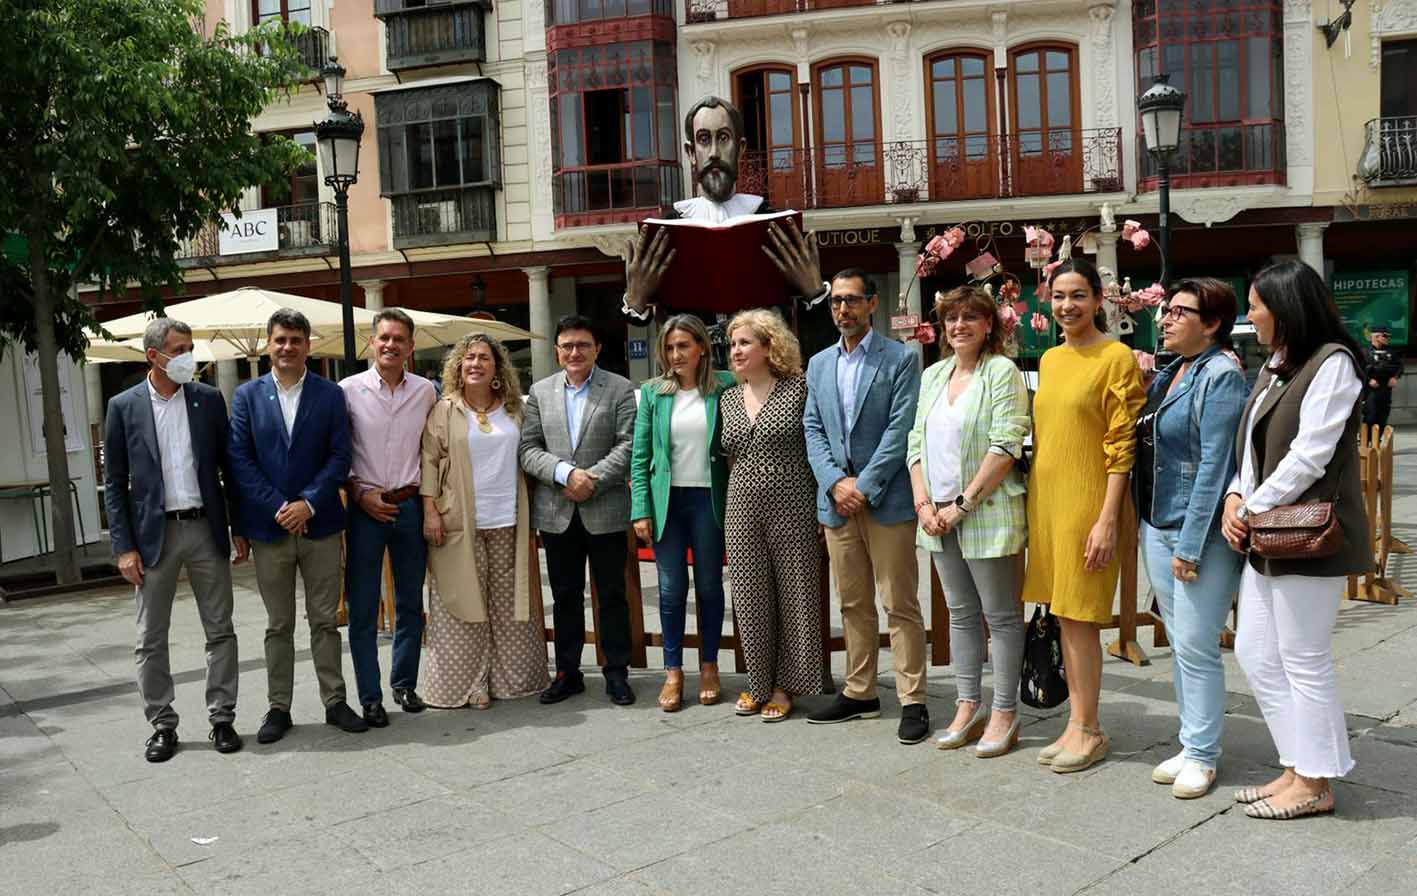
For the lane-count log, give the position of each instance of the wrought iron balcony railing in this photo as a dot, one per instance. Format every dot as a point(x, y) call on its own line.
point(605, 194)
point(313, 46)
point(1389, 156)
point(432, 34)
point(305, 229)
point(1223, 154)
point(697, 11)
point(441, 217)
point(945, 169)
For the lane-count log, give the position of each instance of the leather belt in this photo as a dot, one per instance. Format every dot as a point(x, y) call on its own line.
point(399, 495)
point(191, 513)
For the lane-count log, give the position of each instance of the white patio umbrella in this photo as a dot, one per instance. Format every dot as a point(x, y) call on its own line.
point(101, 351)
point(430, 330)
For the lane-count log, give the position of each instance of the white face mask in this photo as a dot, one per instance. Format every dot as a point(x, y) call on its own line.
point(181, 368)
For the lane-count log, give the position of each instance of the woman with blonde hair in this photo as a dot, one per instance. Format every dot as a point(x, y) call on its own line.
point(774, 554)
point(485, 633)
point(678, 480)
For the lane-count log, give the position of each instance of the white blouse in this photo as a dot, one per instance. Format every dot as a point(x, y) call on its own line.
point(1323, 414)
point(944, 436)
point(688, 440)
point(493, 456)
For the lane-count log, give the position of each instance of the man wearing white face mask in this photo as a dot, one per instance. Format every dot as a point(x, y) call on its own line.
point(167, 482)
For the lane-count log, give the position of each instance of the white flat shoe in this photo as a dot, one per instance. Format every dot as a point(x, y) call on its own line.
point(1166, 772)
point(1194, 781)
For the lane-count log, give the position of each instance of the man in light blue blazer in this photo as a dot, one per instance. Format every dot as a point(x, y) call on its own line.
point(290, 451)
point(861, 401)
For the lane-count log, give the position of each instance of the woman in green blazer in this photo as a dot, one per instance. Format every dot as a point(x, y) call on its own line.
point(678, 479)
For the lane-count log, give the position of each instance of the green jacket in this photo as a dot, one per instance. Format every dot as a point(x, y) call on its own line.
point(995, 416)
point(651, 460)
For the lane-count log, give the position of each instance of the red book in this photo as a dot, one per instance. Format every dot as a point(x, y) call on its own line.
point(722, 267)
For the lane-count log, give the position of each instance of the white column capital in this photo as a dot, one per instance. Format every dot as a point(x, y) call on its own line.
point(1311, 230)
point(537, 274)
point(373, 294)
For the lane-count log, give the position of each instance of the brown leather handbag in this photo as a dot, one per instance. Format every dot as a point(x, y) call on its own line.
point(1306, 531)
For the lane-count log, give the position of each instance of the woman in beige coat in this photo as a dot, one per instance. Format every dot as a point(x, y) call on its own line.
point(485, 632)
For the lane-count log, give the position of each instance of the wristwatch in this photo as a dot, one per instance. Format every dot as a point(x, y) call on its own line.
point(964, 504)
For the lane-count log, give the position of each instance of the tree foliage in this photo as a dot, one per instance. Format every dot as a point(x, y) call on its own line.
point(126, 130)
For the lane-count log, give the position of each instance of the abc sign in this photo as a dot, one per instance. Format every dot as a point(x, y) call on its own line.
point(254, 231)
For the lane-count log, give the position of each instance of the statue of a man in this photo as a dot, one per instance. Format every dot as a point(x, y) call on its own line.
point(714, 142)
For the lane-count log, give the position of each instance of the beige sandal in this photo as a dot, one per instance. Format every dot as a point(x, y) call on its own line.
point(710, 687)
point(1068, 762)
point(776, 712)
point(671, 696)
point(746, 705)
point(1317, 805)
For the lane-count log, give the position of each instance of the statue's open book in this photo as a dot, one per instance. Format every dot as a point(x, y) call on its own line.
point(722, 267)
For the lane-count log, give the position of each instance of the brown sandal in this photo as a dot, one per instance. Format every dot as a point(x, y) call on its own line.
point(746, 705)
point(671, 696)
point(710, 688)
point(780, 711)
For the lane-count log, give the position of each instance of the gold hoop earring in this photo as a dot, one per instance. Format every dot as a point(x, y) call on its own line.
point(496, 385)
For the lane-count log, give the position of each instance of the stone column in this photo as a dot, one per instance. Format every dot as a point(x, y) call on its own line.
point(93, 391)
point(1107, 252)
point(543, 351)
point(1311, 244)
point(227, 379)
point(906, 255)
point(373, 294)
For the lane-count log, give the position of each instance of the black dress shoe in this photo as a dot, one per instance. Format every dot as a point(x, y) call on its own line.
point(341, 716)
point(274, 726)
point(619, 691)
point(225, 738)
point(410, 701)
point(562, 686)
point(914, 723)
point(161, 745)
point(846, 709)
point(375, 715)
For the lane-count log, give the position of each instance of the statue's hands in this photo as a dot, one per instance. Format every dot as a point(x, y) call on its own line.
point(645, 267)
point(795, 255)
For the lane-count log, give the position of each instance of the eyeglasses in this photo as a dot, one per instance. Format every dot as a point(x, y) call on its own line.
point(1177, 312)
point(570, 348)
point(848, 301)
point(968, 317)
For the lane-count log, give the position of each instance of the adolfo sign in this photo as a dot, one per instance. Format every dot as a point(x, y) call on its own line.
point(254, 231)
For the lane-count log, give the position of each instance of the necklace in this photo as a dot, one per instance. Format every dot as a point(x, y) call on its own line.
point(483, 423)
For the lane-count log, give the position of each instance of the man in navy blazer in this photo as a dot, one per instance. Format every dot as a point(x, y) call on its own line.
point(166, 486)
point(861, 397)
point(290, 451)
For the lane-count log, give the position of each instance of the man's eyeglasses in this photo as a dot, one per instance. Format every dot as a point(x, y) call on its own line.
point(571, 348)
point(1177, 312)
point(848, 301)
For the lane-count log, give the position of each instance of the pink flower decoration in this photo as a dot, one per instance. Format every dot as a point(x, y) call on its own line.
point(954, 237)
point(925, 265)
point(938, 247)
point(1140, 239)
point(1009, 292)
point(1038, 236)
point(1130, 227)
point(1048, 270)
point(1038, 322)
point(1146, 361)
point(1152, 296)
point(1009, 318)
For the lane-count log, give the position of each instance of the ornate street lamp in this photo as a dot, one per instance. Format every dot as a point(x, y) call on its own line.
point(338, 138)
point(1161, 108)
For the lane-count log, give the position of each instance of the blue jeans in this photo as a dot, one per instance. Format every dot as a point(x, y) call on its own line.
point(690, 523)
point(365, 541)
point(1194, 614)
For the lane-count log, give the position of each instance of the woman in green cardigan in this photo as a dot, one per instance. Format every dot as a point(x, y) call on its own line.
point(970, 425)
point(678, 479)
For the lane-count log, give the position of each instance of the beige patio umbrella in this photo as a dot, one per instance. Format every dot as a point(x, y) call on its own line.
point(430, 330)
point(101, 351)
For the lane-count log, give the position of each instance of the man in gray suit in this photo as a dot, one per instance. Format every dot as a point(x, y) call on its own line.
point(576, 439)
point(166, 485)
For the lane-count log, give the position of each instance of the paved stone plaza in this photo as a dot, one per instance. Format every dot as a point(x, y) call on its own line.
point(592, 799)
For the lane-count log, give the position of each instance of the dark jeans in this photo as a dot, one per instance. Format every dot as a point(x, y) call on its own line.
point(365, 541)
point(1377, 406)
point(566, 556)
point(690, 524)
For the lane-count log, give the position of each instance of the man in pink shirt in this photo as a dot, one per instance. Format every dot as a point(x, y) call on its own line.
point(387, 410)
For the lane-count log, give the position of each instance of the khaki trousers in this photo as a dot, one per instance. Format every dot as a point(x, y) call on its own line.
point(867, 558)
point(318, 560)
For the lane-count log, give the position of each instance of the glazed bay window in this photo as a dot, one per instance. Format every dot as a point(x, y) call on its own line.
point(440, 161)
point(616, 140)
point(571, 12)
point(420, 33)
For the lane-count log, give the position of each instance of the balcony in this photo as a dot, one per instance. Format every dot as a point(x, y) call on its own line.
point(313, 47)
point(1221, 155)
point(614, 194)
point(309, 228)
point(1389, 156)
point(436, 34)
point(939, 170)
point(700, 11)
point(443, 217)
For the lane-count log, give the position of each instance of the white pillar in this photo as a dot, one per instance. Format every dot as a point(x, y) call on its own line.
point(906, 255)
point(1311, 245)
point(538, 297)
point(93, 391)
point(227, 378)
point(1107, 252)
point(373, 294)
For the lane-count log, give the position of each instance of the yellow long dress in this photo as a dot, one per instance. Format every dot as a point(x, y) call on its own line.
point(1084, 419)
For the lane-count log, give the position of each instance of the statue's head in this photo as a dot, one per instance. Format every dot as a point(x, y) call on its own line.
point(714, 141)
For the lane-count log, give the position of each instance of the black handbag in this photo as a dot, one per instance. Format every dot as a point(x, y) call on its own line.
point(1043, 684)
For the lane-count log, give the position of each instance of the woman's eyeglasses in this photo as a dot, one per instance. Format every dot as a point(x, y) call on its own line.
point(1177, 312)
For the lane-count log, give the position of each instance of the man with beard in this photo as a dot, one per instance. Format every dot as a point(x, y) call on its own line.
point(714, 142)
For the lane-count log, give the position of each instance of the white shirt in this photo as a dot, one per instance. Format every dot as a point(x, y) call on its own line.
point(701, 208)
point(493, 456)
point(1323, 414)
point(688, 440)
point(944, 437)
point(180, 488)
point(289, 400)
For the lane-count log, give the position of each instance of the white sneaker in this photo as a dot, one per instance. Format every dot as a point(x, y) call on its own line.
point(1193, 781)
point(1166, 772)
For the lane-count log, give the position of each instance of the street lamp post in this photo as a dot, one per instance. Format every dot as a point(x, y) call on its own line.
point(1161, 107)
point(338, 138)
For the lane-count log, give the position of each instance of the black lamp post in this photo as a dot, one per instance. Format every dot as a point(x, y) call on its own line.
point(1161, 107)
point(338, 138)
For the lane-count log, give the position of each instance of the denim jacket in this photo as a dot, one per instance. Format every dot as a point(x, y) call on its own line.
point(1195, 432)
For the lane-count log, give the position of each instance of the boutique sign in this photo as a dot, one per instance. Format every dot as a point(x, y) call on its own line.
point(254, 231)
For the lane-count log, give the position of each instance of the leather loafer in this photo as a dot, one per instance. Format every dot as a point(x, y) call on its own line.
point(341, 716)
point(224, 738)
point(619, 691)
point(161, 745)
point(375, 715)
point(845, 709)
point(562, 686)
point(410, 701)
point(274, 726)
point(914, 724)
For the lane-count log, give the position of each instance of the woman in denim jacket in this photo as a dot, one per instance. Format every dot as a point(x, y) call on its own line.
point(1185, 459)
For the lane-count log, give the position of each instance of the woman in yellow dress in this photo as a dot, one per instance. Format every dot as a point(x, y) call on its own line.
point(1084, 417)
